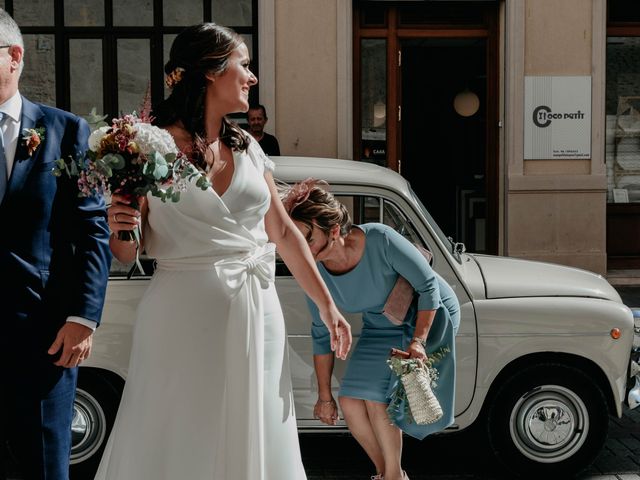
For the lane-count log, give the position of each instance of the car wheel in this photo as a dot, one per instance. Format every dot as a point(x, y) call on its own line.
point(94, 412)
point(548, 419)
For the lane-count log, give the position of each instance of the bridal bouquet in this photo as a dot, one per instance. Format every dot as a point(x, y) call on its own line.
point(131, 157)
point(413, 396)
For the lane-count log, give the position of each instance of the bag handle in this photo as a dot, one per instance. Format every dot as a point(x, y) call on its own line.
point(396, 352)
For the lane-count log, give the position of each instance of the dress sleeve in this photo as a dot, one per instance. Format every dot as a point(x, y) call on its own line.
point(259, 158)
point(407, 260)
point(319, 331)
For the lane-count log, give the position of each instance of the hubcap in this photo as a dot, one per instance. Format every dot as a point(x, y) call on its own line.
point(87, 427)
point(549, 424)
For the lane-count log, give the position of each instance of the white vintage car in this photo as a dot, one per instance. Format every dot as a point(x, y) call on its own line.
point(543, 351)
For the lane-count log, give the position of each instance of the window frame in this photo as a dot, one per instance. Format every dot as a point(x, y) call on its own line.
point(109, 34)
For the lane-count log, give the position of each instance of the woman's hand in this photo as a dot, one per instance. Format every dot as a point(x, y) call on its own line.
point(122, 216)
point(339, 331)
point(416, 350)
point(326, 411)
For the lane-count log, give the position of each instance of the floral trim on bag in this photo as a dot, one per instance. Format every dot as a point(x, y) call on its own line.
point(32, 138)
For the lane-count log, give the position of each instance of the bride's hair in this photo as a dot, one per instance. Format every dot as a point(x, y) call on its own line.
point(197, 51)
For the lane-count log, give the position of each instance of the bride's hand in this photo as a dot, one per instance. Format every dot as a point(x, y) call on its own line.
point(339, 331)
point(326, 411)
point(122, 216)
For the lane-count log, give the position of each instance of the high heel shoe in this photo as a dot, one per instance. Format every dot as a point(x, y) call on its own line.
point(377, 477)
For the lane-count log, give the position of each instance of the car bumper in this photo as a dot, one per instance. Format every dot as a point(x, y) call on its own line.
point(633, 382)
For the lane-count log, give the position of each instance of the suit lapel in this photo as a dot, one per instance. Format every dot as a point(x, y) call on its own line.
point(23, 162)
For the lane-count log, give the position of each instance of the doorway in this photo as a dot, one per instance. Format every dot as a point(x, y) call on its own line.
point(444, 84)
point(412, 65)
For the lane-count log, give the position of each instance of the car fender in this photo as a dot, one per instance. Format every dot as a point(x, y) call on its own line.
point(584, 332)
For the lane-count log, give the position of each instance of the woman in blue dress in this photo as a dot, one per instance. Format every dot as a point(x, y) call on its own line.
point(361, 264)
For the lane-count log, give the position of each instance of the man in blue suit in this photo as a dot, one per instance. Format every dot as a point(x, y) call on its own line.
point(54, 262)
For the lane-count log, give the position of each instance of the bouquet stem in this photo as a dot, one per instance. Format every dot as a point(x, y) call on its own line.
point(126, 236)
point(134, 235)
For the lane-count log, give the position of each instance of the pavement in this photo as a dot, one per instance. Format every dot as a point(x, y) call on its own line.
point(464, 456)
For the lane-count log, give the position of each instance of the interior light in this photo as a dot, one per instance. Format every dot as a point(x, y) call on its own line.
point(466, 103)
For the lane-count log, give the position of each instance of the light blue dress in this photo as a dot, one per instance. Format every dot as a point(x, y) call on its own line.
point(365, 289)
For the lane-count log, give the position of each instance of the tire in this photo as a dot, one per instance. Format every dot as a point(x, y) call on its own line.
point(548, 419)
point(95, 408)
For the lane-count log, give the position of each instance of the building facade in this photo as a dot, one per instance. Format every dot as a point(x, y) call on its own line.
point(516, 121)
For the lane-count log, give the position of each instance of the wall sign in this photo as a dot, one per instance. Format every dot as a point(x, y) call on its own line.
point(557, 118)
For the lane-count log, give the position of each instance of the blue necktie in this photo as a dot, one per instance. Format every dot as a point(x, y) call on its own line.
point(4, 176)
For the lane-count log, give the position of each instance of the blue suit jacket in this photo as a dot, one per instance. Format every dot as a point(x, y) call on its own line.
point(54, 245)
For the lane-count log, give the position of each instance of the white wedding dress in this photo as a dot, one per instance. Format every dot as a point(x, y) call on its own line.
point(208, 394)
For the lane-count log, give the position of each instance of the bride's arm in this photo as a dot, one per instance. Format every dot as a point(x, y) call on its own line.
point(123, 217)
point(293, 249)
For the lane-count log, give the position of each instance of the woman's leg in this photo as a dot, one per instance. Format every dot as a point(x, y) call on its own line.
point(388, 437)
point(357, 418)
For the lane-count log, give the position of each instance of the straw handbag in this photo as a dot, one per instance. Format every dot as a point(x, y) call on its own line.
point(416, 381)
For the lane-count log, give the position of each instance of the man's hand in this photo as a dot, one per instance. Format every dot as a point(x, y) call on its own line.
point(75, 341)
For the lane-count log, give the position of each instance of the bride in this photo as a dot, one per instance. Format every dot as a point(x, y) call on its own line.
point(208, 394)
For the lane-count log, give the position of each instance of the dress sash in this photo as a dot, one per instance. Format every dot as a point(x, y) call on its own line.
point(243, 276)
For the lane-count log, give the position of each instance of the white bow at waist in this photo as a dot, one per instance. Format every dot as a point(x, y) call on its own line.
point(233, 269)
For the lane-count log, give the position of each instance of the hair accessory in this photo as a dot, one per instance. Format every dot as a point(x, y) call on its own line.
point(174, 77)
point(299, 193)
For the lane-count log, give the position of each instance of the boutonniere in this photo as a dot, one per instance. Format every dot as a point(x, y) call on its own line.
point(32, 138)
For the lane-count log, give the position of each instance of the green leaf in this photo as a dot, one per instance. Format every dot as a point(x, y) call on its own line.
point(114, 160)
point(202, 182)
point(73, 169)
point(156, 166)
point(94, 120)
point(102, 166)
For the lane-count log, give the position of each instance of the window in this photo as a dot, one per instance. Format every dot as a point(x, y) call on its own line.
point(81, 54)
point(623, 119)
point(369, 209)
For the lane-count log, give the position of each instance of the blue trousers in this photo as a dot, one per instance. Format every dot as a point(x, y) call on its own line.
point(36, 409)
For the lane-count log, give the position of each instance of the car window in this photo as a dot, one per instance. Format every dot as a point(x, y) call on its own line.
point(368, 209)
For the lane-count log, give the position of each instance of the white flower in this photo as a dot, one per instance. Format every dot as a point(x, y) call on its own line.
point(96, 136)
point(151, 138)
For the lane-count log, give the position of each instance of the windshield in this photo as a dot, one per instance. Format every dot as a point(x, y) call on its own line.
point(448, 242)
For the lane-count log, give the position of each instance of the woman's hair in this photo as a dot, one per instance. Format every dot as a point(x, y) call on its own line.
point(197, 51)
point(311, 204)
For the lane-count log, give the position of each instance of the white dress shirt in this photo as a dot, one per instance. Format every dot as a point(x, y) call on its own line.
point(10, 128)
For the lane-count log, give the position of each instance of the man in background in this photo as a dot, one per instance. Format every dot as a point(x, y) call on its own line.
point(257, 119)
